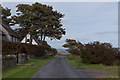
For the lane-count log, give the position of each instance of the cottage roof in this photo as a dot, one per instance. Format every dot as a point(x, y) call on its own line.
point(36, 40)
point(9, 29)
point(33, 37)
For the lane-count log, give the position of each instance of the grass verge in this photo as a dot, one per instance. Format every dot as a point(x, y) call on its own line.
point(76, 61)
point(25, 70)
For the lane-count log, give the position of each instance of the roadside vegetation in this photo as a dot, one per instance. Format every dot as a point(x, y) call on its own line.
point(15, 48)
point(95, 55)
point(94, 52)
point(25, 70)
point(76, 61)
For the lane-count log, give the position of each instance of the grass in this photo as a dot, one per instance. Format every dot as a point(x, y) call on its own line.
point(76, 61)
point(25, 70)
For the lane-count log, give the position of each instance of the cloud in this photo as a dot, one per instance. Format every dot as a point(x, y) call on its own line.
point(107, 32)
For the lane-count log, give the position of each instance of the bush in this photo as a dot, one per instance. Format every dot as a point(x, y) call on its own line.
point(54, 51)
point(18, 48)
point(93, 53)
point(99, 53)
point(74, 51)
point(9, 47)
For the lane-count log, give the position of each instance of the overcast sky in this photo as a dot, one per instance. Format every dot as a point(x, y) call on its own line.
point(84, 21)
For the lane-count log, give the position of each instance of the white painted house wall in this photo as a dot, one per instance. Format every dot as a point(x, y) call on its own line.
point(23, 41)
point(33, 42)
point(28, 37)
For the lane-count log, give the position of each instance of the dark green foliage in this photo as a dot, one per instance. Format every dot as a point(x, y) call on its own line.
point(54, 51)
point(45, 44)
point(17, 48)
point(75, 51)
point(5, 15)
point(93, 53)
point(99, 53)
point(40, 20)
point(22, 32)
point(73, 46)
point(8, 47)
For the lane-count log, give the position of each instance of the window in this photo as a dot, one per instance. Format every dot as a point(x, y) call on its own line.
point(16, 40)
point(11, 38)
point(28, 40)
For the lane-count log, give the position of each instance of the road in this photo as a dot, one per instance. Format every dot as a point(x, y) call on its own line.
point(60, 68)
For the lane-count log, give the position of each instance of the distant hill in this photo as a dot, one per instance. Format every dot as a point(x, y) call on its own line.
point(62, 51)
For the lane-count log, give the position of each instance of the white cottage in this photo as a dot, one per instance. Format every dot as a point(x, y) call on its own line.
point(30, 39)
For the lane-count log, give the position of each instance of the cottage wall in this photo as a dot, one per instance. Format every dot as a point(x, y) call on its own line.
point(7, 36)
point(6, 33)
point(28, 36)
point(33, 42)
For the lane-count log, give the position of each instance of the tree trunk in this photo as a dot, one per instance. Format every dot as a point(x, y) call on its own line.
point(41, 35)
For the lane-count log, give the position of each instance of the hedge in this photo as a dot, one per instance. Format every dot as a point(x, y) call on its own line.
point(19, 48)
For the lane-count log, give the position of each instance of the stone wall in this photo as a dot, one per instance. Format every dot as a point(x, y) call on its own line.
point(8, 62)
point(13, 60)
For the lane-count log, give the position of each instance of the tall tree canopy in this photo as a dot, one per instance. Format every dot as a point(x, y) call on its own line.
point(6, 15)
point(40, 20)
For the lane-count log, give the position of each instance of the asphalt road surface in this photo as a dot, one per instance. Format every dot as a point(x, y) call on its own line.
point(60, 68)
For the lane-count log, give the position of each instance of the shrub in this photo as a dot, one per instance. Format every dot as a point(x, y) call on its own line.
point(99, 53)
point(54, 51)
point(74, 51)
point(9, 47)
point(93, 53)
point(18, 48)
